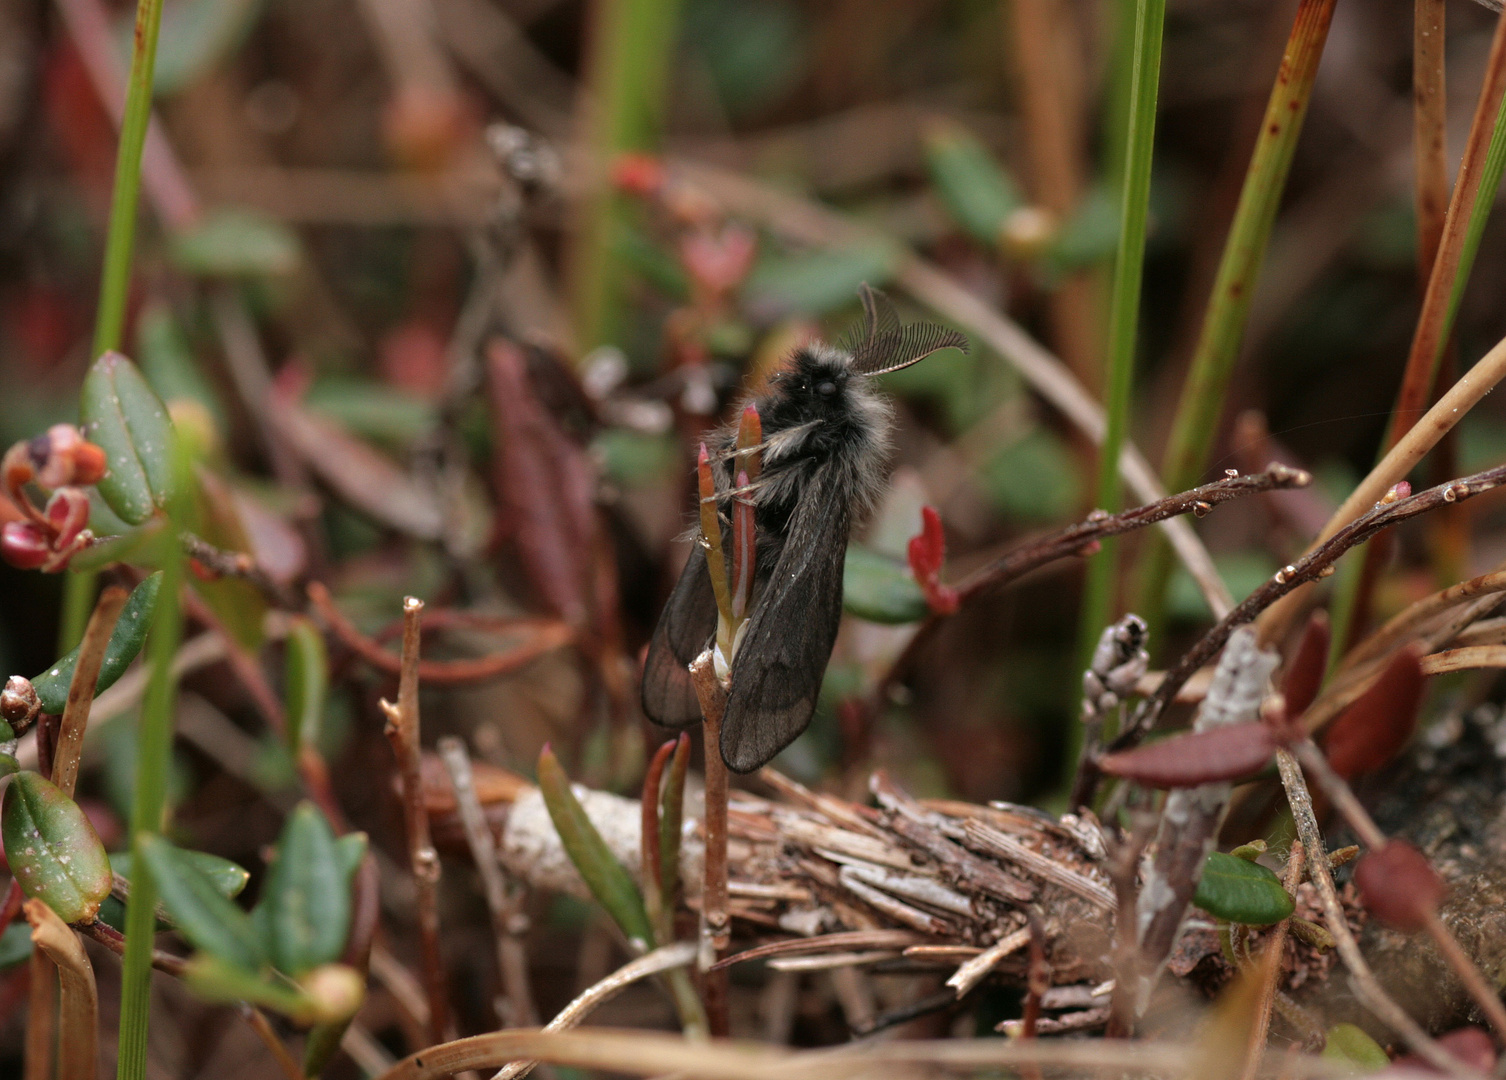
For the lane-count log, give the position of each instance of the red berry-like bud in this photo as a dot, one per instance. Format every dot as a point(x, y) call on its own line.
point(638, 174)
point(89, 464)
point(67, 512)
point(23, 545)
point(1399, 886)
point(19, 703)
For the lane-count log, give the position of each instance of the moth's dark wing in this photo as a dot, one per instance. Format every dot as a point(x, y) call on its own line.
point(893, 349)
point(684, 630)
point(776, 674)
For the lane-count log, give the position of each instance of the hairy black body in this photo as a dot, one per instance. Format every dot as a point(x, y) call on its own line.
point(826, 434)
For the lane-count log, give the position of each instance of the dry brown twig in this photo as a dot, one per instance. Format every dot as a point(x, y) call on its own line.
point(545, 636)
point(509, 921)
point(1270, 971)
point(1317, 563)
point(91, 655)
point(402, 731)
point(1082, 537)
point(716, 923)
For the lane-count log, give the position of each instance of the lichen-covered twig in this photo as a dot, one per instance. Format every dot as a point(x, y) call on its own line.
point(402, 732)
point(1367, 987)
point(1343, 798)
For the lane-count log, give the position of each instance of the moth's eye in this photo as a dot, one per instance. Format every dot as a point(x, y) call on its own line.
point(826, 388)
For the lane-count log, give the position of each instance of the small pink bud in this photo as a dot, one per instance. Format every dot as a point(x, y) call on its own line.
point(54, 455)
point(23, 545)
point(638, 174)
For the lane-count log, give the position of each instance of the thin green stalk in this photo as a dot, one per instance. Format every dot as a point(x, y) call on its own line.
point(1202, 400)
point(632, 46)
point(115, 281)
point(154, 744)
point(79, 587)
point(115, 285)
point(1124, 311)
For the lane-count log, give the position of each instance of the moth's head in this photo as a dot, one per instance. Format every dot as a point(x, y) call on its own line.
point(816, 379)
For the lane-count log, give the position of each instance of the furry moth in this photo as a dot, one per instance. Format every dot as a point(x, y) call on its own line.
point(826, 437)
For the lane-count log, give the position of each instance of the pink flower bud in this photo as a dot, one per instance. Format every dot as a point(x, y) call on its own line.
point(54, 455)
point(23, 545)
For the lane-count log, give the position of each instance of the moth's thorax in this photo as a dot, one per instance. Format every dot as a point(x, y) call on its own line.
point(818, 414)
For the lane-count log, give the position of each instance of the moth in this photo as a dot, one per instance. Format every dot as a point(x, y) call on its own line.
point(826, 440)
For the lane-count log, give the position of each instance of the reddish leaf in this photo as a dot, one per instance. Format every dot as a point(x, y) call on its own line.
point(1371, 731)
point(548, 485)
point(927, 552)
point(1471, 1045)
point(1399, 886)
point(1304, 672)
point(1202, 757)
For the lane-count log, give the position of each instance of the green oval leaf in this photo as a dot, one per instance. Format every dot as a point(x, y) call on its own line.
point(607, 878)
point(8, 764)
point(1242, 892)
point(233, 242)
point(350, 849)
point(304, 912)
point(228, 878)
point(126, 641)
point(1349, 1044)
point(880, 589)
point(307, 682)
point(199, 908)
point(127, 419)
point(974, 188)
point(53, 850)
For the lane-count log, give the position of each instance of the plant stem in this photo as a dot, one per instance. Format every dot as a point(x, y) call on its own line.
point(1468, 211)
point(402, 732)
point(154, 747)
point(1202, 400)
point(115, 285)
point(91, 654)
point(1124, 318)
point(632, 44)
point(716, 925)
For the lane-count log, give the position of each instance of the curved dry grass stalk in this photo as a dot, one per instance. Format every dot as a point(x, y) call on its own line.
point(680, 954)
point(1394, 467)
point(641, 1053)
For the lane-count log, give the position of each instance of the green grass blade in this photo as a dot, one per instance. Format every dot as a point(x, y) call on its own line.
point(1124, 310)
point(1228, 309)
